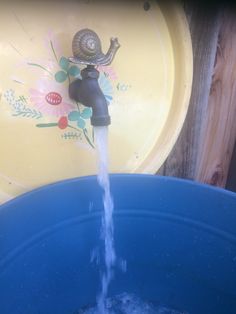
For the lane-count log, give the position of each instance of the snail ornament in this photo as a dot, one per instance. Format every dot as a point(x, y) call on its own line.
point(87, 49)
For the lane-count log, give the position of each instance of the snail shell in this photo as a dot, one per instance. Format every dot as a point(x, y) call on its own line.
point(86, 46)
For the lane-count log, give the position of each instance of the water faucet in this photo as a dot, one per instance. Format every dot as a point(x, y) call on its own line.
point(86, 48)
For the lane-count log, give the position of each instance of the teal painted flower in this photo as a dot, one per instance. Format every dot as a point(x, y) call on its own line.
point(66, 71)
point(80, 117)
point(106, 87)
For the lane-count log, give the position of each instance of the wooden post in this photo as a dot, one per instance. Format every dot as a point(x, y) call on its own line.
point(204, 28)
point(219, 130)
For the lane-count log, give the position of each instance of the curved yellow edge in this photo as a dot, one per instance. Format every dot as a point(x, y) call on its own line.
point(183, 55)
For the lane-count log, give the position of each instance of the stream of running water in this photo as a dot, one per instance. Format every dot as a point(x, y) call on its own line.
point(123, 303)
point(101, 140)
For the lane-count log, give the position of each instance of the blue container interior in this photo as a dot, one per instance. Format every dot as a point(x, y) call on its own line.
point(177, 237)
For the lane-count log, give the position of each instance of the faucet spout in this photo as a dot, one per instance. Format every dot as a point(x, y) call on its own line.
point(88, 92)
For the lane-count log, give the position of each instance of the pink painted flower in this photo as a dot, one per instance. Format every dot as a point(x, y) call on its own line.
point(108, 70)
point(51, 98)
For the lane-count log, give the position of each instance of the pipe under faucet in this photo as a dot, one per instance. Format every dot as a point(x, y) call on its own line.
point(86, 48)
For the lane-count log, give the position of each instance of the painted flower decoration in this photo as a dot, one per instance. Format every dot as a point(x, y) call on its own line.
point(62, 123)
point(80, 116)
point(50, 95)
point(51, 98)
point(108, 71)
point(106, 87)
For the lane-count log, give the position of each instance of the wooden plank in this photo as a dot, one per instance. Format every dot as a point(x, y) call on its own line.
point(219, 129)
point(204, 28)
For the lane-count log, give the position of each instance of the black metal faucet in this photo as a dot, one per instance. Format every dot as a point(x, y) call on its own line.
point(86, 47)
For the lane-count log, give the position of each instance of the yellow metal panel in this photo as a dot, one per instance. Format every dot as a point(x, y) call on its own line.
point(43, 138)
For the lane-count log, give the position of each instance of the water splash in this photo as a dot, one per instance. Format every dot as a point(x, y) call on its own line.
point(131, 304)
point(101, 140)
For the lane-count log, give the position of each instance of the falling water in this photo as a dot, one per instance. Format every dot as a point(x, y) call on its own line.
point(123, 303)
point(101, 140)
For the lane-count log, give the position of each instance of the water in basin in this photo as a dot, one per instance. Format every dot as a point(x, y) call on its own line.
point(130, 304)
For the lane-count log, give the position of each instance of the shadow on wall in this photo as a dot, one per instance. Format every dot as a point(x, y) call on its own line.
point(231, 181)
point(209, 4)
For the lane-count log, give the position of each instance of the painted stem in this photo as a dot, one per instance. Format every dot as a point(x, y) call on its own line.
point(46, 125)
point(87, 138)
point(40, 66)
point(53, 50)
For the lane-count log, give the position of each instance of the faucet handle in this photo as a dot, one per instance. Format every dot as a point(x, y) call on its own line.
point(87, 49)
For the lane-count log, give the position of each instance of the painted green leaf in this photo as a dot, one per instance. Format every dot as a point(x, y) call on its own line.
point(74, 116)
point(74, 70)
point(81, 123)
point(64, 63)
point(60, 76)
point(86, 113)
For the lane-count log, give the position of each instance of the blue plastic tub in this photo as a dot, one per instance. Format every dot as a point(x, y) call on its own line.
point(178, 238)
